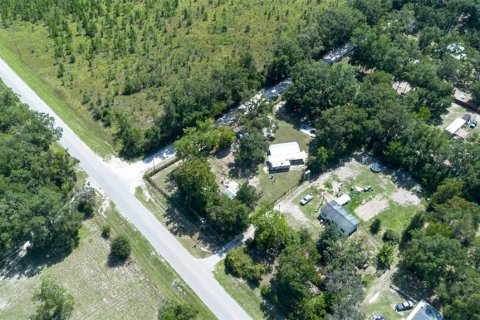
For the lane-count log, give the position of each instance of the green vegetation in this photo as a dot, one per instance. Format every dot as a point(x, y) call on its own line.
point(55, 302)
point(249, 298)
point(274, 189)
point(37, 183)
point(100, 59)
point(241, 265)
point(176, 311)
point(120, 247)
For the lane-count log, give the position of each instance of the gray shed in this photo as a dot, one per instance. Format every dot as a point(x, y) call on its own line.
point(346, 223)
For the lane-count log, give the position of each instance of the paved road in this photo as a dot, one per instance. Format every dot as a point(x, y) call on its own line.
point(116, 186)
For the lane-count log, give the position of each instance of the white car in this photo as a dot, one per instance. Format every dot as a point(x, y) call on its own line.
point(306, 199)
point(305, 128)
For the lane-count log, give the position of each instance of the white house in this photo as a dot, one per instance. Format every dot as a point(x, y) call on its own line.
point(282, 155)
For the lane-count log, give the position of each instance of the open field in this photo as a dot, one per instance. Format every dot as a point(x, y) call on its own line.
point(134, 290)
point(31, 69)
point(194, 39)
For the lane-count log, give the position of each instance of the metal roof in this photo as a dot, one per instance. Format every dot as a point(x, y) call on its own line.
point(455, 125)
point(337, 214)
point(424, 311)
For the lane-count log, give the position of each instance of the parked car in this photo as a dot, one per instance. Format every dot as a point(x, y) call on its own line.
point(473, 124)
point(306, 199)
point(407, 305)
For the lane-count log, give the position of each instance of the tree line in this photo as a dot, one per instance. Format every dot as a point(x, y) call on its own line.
point(38, 200)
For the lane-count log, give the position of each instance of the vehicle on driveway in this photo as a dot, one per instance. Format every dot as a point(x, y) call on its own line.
point(404, 306)
point(306, 199)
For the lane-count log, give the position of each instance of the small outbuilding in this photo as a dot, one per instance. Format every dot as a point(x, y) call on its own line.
point(334, 213)
point(283, 155)
point(343, 199)
point(455, 128)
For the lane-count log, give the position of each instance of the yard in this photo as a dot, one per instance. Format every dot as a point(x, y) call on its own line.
point(134, 290)
point(456, 111)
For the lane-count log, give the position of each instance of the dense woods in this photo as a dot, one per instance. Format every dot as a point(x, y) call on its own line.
point(36, 182)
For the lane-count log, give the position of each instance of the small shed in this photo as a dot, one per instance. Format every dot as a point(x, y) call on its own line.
point(455, 125)
point(343, 199)
point(334, 213)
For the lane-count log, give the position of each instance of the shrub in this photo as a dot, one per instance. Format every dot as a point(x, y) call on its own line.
point(106, 230)
point(120, 247)
point(385, 255)
point(375, 226)
point(390, 236)
point(177, 311)
point(240, 264)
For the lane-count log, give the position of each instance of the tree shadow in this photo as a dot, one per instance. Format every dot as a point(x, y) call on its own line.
point(114, 261)
point(238, 170)
point(411, 286)
point(28, 265)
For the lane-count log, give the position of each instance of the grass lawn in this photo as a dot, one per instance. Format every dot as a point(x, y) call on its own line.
point(32, 70)
point(272, 190)
point(383, 305)
point(396, 217)
point(134, 290)
point(249, 298)
point(186, 232)
point(287, 132)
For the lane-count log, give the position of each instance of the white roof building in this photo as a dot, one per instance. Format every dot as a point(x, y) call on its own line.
point(456, 125)
point(343, 199)
point(283, 152)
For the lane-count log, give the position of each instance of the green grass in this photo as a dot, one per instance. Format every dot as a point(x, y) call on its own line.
point(395, 217)
point(177, 50)
point(47, 88)
point(250, 299)
point(288, 133)
point(134, 290)
point(384, 306)
point(284, 182)
point(185, 231)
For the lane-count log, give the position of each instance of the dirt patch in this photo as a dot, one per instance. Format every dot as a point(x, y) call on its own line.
point(405, 197)
point(371, 208)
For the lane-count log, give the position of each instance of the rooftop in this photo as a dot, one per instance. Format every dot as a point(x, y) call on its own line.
point(424, 311)
point(341, 217)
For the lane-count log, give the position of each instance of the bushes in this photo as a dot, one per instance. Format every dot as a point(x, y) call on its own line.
point(106, 230)
point(240, 264)
point(391, 236)
point(375, 226)
point(120, 247)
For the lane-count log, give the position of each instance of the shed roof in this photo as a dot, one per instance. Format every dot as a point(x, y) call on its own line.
point(455, 125)
point(343, 199)
point(343, 219)
point(424, 311)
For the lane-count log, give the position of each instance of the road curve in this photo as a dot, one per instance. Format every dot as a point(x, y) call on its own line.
point(116, 187)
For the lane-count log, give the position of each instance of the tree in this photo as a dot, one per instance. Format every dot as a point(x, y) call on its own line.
point(229, 216)
point(475, 90)
point(247, 195)
point(106, 230)
point(195, 182)
point(391, 236)
point(346, 293)
point(287, 53)
point(252, 149)
point(342, 139)
point(375, 226)
point(373, 10)
point(385, 256)
point(434, 257)
point(120, 247)
point(55, 301)
point(176, 311)
point(272, 232)
point(240, 264)
point(327, 241)
point(296, 269)
point(317, 86)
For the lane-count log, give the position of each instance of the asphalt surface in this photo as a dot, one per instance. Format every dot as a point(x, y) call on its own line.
point(117, 187)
